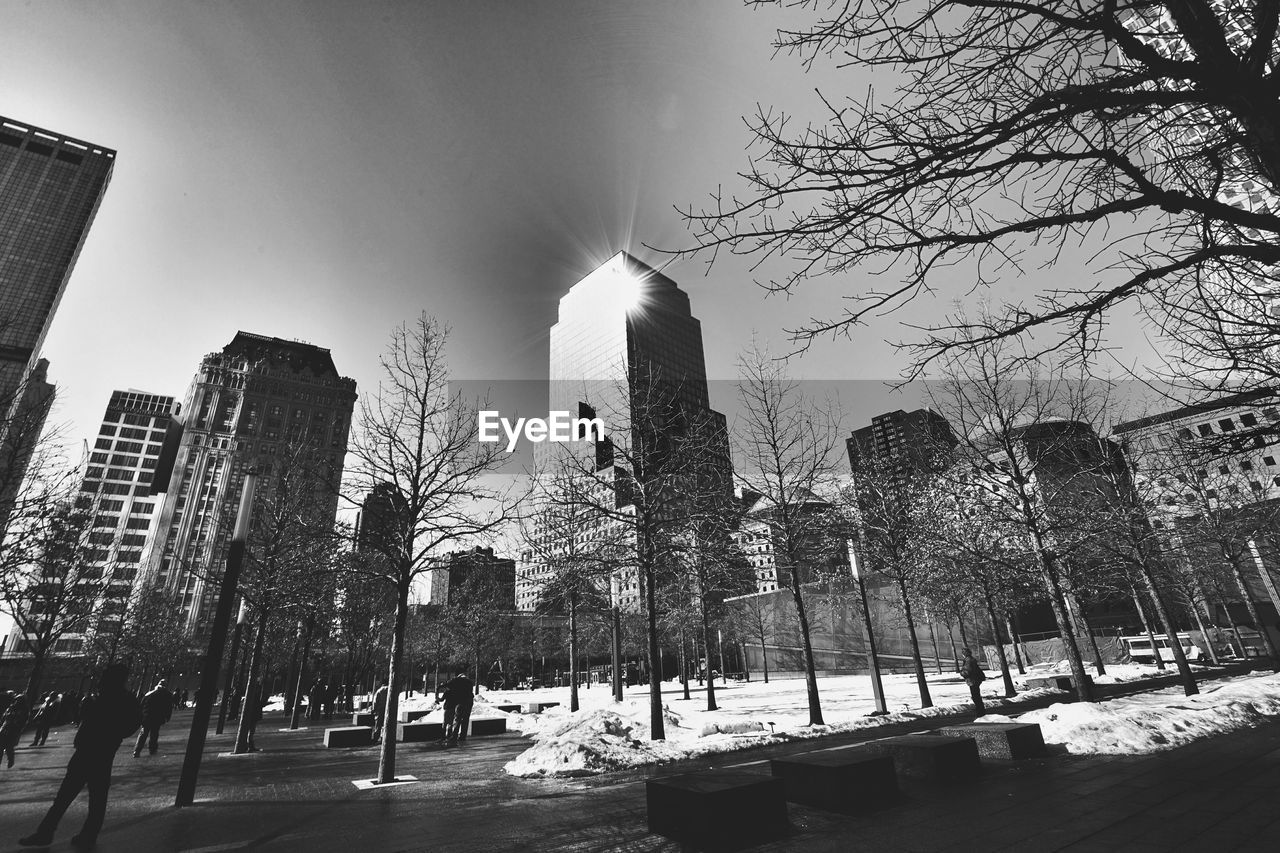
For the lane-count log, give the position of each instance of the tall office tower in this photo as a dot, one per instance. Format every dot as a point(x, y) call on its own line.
point(50, 188)
point(258, 402)
point(908, 438)
point(20, 434)
point(474, 577)
point(117, 489)
point(623, 326)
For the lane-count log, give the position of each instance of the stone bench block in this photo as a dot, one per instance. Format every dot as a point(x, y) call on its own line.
point(481, 726)
point(1003, 741)
point(717, 808)
point(933, 757)
point(838, 780)
point(364, 718)
point(348, 736)
point(510, 709)
point(419, 732)
point(1054, 682)
point(412, 716)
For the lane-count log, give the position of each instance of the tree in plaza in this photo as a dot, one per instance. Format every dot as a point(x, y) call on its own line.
point(289, 557)
point(786, 447)
point(363, 602)
point(997, 136)
point(48, 586)
point(1211, 496)
point(418, 440)
point(753, 616)
point(1025, 448)
point(890, 502)
point(478, 620)
point(577, 547)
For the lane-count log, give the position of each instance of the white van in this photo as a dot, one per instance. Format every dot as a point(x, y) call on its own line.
point(1139, 648)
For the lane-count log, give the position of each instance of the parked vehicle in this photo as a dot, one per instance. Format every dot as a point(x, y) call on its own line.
point(1139, 648)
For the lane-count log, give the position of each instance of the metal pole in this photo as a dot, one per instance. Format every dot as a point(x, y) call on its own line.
point(229, 684)
point(217, 640)
point(873, 659)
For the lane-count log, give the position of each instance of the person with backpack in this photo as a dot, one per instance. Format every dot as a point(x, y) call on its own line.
point(973, 675)
point(157, 707)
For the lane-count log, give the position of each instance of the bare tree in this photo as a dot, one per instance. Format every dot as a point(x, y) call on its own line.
point(418, 440)
point(786, 449)
point(995, 137)
point(1027, 448)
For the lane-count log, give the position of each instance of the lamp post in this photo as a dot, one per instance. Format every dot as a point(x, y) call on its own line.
point(217, 640)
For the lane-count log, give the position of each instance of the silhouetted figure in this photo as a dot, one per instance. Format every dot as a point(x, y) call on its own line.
point(315, 700)
point(45, 717)
point(459, 694)
point(11, 725)
point(973, 675)
point(157, 707)
point(379, 709)
point(111, 716)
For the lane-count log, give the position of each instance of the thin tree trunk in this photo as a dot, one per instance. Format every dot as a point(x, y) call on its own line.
point(1146, 626)
point(619, 677)
point(1009, 690)
point(247, 719)
point(302, 671)
point(706, 642)
point(1261, 627)
point(1171, 630)
point(573, 651)
point(933, 638)
point(1093, 642)
point(1013, 639)
point(684, 664)
point(1066, 626)
point(1204, 633)
point(810, 671)
point(926, 701)
point(387, 749)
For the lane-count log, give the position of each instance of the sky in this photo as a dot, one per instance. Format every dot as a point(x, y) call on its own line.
point(323, 171)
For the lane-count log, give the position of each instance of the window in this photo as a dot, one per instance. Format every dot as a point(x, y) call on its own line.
point(1246, 465)
point(1227, 424)
point(1206, 430)
point(1223, 469)
point(1249, 420)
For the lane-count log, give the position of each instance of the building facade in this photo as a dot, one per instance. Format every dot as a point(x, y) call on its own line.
point(50, 188)
point(256, 401)
point(474, 576)
point(625, 337)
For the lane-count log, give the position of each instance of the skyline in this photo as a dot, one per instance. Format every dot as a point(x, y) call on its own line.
point(320, 173)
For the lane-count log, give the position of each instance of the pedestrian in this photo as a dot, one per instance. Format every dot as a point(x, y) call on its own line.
point(105, 721)
point(157, 708)
point(11, 725)
point(458, 694)
point(379, 709)
point(255, 701)
point(330, 694)
point(45, 717)
point(973, 675)
point(315, 699)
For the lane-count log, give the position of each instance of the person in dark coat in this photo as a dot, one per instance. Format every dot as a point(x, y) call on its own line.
point(157, 708)
point(379, 709)
point(459, 695)
point(973, 675)
point(11, 725)
point(315, 700)
point(113, 715)
point(45, 717)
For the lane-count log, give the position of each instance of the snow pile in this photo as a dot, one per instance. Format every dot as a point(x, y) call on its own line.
point(589, 742)
point(1158, 721)
point(731, 727)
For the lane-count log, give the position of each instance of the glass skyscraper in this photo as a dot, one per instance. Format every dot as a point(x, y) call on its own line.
point(50, 189)
point(625, 324)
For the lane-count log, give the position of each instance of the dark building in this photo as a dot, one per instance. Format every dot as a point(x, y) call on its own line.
point(909, 438)
point(472, 577)
point(378, 518)
point(50, 189)
point(257, 401)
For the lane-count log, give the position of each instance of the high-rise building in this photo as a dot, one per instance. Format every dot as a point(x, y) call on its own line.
point(20, 434)
point(117, 488)
point(474, 577)
point(622, 326)
point(251, 404)
point(911, 439)
point(50, 189)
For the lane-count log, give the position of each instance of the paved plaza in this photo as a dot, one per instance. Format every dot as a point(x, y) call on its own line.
point(1215, 795)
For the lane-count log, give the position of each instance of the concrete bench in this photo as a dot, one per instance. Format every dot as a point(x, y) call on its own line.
point(510, 709)
point(419, 732)
point(363, 718)
point(1055, 682)
point(481, 726)
point(412, 716)
point(838, 780)
point(933, 757)
point(1003, 741)
point(537, 707)
point(717, 808)
point(348, 736)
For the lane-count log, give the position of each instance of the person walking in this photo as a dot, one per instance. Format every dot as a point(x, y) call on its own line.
point(157, 708)
point(105, 721)
point(315, 700)
point(379, 709)
point(458, 694)
point(45, 717)
point(11, 726)
point(973, 675)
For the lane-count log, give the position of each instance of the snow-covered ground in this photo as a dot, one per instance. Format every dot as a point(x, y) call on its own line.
point(605, 736)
